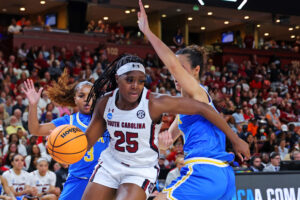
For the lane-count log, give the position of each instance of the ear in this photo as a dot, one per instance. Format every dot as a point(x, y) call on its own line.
point(196, 70)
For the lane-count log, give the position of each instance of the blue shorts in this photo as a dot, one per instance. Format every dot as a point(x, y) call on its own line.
point(20, 197)
point(202, 181)
point(73, 188)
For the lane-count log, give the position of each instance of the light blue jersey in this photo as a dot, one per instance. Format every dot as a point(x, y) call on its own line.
point(206, 174)
point(80, 172)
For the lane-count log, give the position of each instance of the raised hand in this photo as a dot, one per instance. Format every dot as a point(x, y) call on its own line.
point(241, 149)
point(143, 19)
point(30, 92)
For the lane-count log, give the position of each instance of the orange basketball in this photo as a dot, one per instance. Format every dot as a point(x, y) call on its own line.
point(67, 144)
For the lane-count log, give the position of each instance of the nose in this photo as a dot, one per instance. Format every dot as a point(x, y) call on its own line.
point(134, 85)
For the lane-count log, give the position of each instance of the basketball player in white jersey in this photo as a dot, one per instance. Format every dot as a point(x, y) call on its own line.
point(128, 168)
point(18, 179)
point(44, 181)
point(5, 193)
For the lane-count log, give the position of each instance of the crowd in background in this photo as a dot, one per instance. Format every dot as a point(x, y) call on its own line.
point(260, 101)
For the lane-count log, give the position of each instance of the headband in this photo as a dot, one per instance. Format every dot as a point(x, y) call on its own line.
point(131, 66)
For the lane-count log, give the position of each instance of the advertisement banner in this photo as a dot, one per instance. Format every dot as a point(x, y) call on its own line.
point(268, 186)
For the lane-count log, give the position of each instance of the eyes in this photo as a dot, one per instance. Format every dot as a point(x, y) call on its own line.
point(130, 80)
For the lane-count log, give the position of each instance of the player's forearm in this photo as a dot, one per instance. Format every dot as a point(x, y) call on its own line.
point(33, 121)
point(163, 51)
point(174, 130)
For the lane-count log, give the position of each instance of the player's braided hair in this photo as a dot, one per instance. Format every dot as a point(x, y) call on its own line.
point(107, 82)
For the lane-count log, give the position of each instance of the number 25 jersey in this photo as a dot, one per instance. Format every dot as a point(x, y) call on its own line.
point(134, 136)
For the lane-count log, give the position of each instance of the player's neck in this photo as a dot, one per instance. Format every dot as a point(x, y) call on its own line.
point(42, 174)
point(17, 171)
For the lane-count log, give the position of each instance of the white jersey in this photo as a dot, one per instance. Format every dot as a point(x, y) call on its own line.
point(42, 183)
point(134, 136)
point(17, 181)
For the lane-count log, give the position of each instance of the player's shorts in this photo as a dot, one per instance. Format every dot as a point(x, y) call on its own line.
point(112, 174)
point(73, 188)
point(203, 179)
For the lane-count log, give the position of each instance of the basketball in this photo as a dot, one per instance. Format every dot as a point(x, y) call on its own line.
point(67, 144)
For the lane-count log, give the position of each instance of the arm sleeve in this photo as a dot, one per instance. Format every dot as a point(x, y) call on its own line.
point(61, 120)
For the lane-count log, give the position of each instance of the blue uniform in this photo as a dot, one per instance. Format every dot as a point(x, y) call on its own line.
point(206, 174)
point(80, 172)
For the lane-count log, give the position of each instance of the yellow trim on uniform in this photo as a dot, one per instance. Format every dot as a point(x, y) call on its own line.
point(203, 160)
point(71, 119)
point(79, 122)
point(183, 179)
point(179, 121)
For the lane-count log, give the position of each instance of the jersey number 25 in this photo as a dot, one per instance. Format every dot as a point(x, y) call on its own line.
point(131, 144)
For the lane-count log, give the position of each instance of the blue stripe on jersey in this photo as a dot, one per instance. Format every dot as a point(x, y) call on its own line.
point(202, 138)
point(84, 167)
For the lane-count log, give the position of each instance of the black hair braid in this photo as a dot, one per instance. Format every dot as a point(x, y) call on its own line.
point(107, 82)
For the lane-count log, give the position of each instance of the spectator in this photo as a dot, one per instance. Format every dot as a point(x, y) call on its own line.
point(270, 144)
point(239, 116)
point(91, 26)
point(61, 176)
point(13, 126)
point(256, 83)
point(11, 150)
point(31, 141)
point(100, 27)
point(252, 141)
point(255, 164)
point(244, 133)
point(232, 66)
point(62, 110)
point(177, 149)
point(283, 151)
point(17, 113)
point(6, 193)
point(43, 181)
point(178, 39)
point(253, 126)
point(14, 28)
point(44, 101)
point(3, 114)
point(23, 23)
point(174, 173)
point(249, 41)
point(31, 158)
point(292, 137)
point(119, 30)
point(275, 163)
point(13, 138)
point(56, 166)
point(3, 140)
point(22, 52)
point(295, 155)
point(17, 178)
point(51, 110)
point(273, 117)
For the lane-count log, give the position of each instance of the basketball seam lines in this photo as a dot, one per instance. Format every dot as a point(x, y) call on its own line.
point(70, 153)
point(56, 138)
point(68, 141)
point(61, 159)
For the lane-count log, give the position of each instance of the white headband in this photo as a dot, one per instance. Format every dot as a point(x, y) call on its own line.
point(132, 66)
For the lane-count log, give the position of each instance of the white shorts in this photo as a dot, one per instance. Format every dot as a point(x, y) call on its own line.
point(112, 174)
